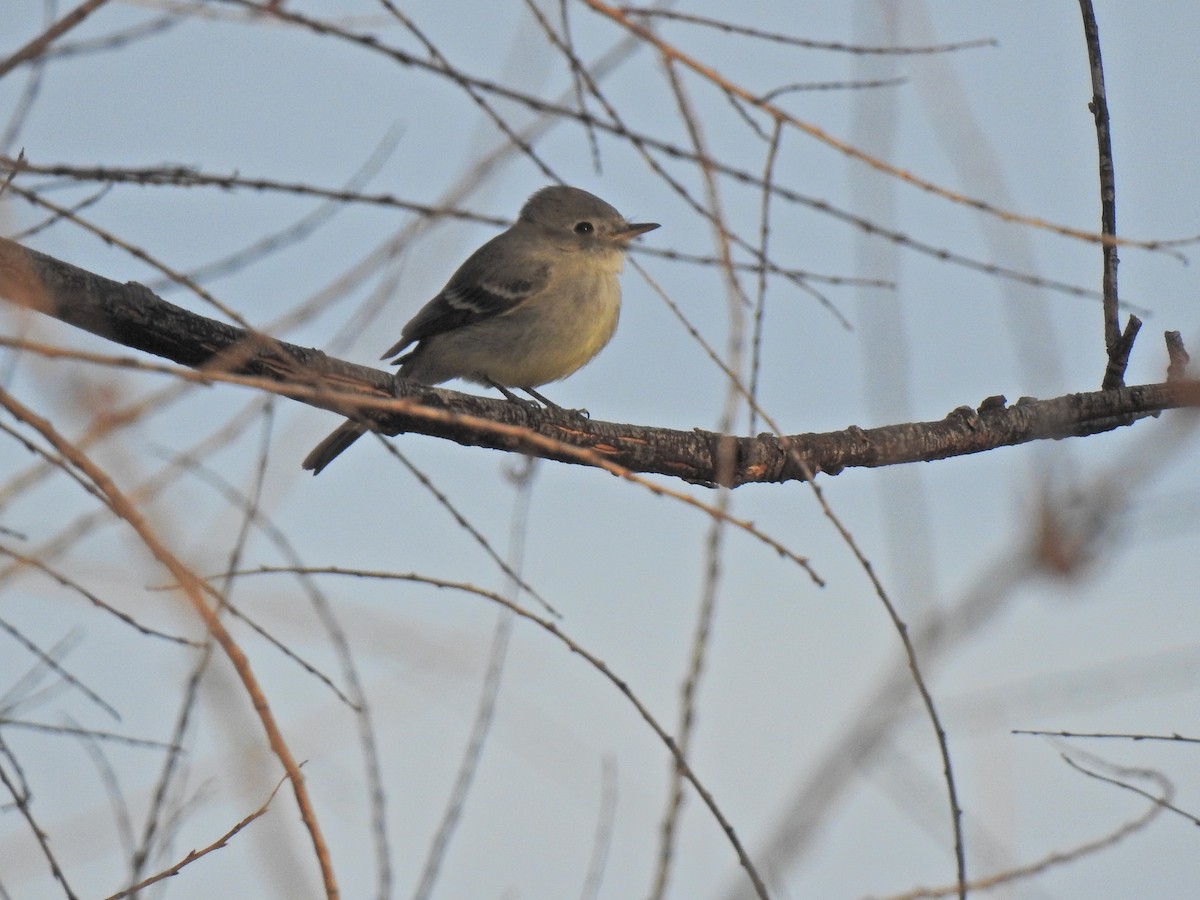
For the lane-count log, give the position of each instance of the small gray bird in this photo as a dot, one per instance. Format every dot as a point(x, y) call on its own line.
point(531, 306)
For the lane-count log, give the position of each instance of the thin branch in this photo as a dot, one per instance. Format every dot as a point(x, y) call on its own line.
point(89, 595)
point(193, 855)
point(21, 799)
point(48, 660)
point(760, 297)
point(830, 86)
point(188, 177)
point(577, 70)
point(122, 819)
point(1163, 801)
point(86, 732)
point(296, 231)
point(747, 31)
point(32, 689)
point(1098, 106)
point(24, 105)
point(172, 764)
point(115, 40)
point(1178, 356)
point(39, 44)
point(133, 250)
point(1109, 735)
point(1118, 344)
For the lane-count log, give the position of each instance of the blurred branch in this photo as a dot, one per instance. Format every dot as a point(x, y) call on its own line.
point(131, 315)
point(42, 42)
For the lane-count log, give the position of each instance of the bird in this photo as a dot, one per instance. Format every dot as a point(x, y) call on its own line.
point(532, 305)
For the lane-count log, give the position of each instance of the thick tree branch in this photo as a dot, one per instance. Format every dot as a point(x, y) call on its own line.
point(133, 316)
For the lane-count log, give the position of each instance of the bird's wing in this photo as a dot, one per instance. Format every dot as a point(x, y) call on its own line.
point(467, 301)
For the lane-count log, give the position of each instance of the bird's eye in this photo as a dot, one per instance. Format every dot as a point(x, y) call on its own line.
point(584, 228)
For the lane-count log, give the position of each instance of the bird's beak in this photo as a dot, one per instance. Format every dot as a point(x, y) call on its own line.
point(632, 230)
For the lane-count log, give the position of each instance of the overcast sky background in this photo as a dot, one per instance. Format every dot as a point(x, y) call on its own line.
point(793, 667)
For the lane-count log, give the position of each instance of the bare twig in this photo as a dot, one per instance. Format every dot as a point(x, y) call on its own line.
point(86, 732)
point(193, 855)
point(760, 297)
point(39, 44)
point(1109, 735)
point(1118, 344)
point(183, 176)
point(21, 799)
point(1162, 800)
point(761, 34)
point(156, 819)
point(73, 585)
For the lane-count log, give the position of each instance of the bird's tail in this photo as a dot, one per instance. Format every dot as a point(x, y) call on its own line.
point(326, 451)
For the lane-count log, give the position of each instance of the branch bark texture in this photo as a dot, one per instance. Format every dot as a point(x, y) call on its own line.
point(131, 315)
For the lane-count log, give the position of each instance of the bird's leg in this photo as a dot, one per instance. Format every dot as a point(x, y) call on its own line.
point(551, 405)
point(547, 403)
point(510, 396)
